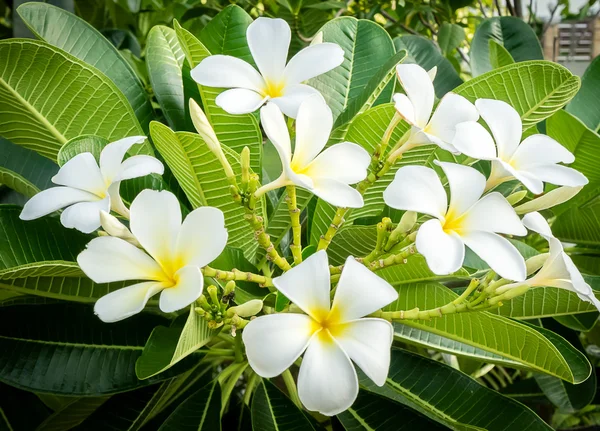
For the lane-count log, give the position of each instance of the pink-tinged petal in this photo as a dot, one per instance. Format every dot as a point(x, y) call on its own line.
point(443, 251)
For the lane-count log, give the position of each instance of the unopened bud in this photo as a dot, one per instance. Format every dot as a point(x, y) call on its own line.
point(245, 162)
point(407, 222)
point(518, 290)
point(203, 127)
point(536, 262)
point(549, 200)
point(516, 197)
point(113, 227)
point(212, 292)
point(246, 309)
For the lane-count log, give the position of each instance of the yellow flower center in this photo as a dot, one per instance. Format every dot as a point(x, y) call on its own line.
point(452, 223)
point(273, 89)
point(328, 324)
point(169, 267)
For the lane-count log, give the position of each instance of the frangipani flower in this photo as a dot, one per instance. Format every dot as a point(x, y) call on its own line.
point(269, 41)
point(87, 189)
point(532, 162)
point(416, 106)
point(327, 174)
point(469, 220)
point(331, 336)
point(175, 252)
point(558, 270)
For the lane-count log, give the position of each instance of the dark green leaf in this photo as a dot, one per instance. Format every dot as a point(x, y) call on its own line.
point(585, 103)
point(450, 36)
point(200, 412)
point(273, 411)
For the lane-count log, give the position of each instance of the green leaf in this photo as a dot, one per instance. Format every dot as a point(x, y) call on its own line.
point(450, 36)
point(579, 322)
point(203, 180)
point(226, 33)
point(534, 348)
point(424, 53)
point(513, 33)
point(441, 393)
point(273, 411)
point(584, 105)
point(197, 413)
point(367, 47)
point(355, 241)
point(234, 258)
point(234, 131)
point(64, 104)
point(536, 89)
point(64, 349)
point(499, 56)
point(78, 38)
point(72, 414)
point(168, 346)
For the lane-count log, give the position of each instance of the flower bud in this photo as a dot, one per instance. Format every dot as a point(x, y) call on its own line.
point(246, 309)
point(548, 200)
point(536, 262)
point(203, 127)
point(114, 227)
point(516, 197)
point(407, 222)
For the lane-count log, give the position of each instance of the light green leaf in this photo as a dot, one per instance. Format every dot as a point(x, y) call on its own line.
point(450, 36)
point(200, 412)
point(536, 89)
point(78, 38)
point(273, 411)
point(226, 33)
point(72, 414)
point(367, 47)
point(36, 120)
point(499, 56)
point(356, 241)
point(441, 393)
point(513, 33)
point(584, 105)
point(168, 346)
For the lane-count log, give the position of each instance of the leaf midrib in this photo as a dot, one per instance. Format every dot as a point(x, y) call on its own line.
point(68, 344)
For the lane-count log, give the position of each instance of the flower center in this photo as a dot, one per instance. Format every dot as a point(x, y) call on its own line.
point(328, 324)
point(168, 275)
point(273, 89)
point(452, 223)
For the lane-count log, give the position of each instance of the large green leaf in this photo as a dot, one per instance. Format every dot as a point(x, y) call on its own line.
point(534, 348)
point(499, 56)
point(513, 33)
point(75, 36)
point(585, 103)
point(71, 415)
point(273, 411)
point(367, 47)
point(65, 349)
point(201, 411)
point(235, 131)
point(50, 97)
point(168, 346)
point(451, 397)
point(536, 89)
point(226, 33)
point(449, 37)
point(203, 180)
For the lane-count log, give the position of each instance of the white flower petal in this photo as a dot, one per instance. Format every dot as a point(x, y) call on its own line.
point(418, 189)
point(276, 129)
point(345, 162)
point(548, 200)
point(188, 288)
point(493, 213)
point(583, 289)
point(139, 166)
point(540, 150)
point(419, 89)
point(274, 342)
point(225, 71)
point(337, 193)
point(327, 381)
point(474, 141)
point(498, 253)
point(155, 222)
point(269, 41)
point(107, 259)
point(559, 175)
point(293, 96)
point(85, 216)
point(125, 302)
point(113, 154)
point(116, 203)
point(81, 172)
point(307, 285)
point(52, 199)
point(313, 61)
point(313, 127)
point(202, 237)
point(404, 107)
point(367, 342)
point(466, 186)
point(505, 124)
point(536, 222)
point(529, 180)
point(239, 101)
point(452, 110)
point(444, 252)
point(360, 292)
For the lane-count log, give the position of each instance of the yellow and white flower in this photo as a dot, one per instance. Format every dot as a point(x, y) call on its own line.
point(87, 189)
point(331, 337)
point(533, 161)
point(416, 106)
point(469, 220)
point(327, 173)
point(175, 252)
point(269, 41)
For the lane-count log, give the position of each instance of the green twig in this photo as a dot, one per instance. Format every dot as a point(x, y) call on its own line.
point(292, 205)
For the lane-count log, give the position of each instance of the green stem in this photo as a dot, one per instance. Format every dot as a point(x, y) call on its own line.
point(252, 382)
point(237, 275)
point(290, 384)
point(264, 240)
point(238, 348)
point(470, 288)
point(227, 388)
point(292, 205)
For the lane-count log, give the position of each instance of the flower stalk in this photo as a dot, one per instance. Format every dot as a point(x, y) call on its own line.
point(237, 275)
point(292, 205)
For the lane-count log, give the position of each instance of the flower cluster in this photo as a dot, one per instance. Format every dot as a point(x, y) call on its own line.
point(152, 245)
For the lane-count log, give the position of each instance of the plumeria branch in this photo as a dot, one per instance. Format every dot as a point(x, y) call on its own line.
point(296, 246)
point(237, 275)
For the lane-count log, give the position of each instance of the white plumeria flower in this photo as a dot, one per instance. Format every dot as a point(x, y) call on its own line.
point(269, 41)
point(558, 270)
point(331, 336)
point(532, 161)
point(175, 253)
point(87, 189)
point(416, 106)
point(327, 174)
point(469, 220)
